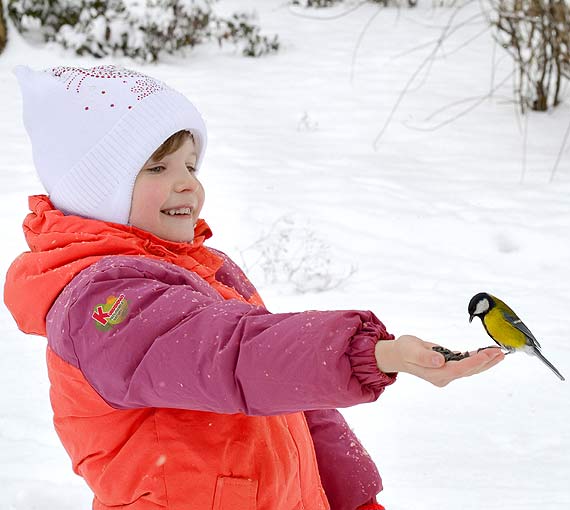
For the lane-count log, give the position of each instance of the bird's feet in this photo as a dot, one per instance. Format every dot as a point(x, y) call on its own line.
point(493, 347)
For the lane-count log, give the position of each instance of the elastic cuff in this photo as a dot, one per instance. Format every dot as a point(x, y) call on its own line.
point(362, 359)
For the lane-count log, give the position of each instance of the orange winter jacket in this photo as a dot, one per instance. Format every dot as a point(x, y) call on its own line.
point(173, 387)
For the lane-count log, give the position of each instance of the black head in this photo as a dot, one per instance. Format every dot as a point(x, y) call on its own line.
point(479, 305)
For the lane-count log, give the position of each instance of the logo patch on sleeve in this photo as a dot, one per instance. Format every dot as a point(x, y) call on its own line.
point(110, 313)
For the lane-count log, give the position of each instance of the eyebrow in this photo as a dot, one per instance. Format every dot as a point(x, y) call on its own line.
point(150, 161)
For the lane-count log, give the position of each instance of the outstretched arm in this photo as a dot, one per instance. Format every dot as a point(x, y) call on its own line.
point(181, 345)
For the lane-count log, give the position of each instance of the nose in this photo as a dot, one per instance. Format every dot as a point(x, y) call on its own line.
point(185, 180)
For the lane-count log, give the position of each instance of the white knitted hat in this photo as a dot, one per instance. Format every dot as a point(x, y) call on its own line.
point(93, 129)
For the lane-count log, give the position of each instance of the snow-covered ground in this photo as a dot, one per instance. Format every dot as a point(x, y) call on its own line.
point(425, 221)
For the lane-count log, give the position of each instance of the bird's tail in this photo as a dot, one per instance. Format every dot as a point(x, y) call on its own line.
point(548, 364)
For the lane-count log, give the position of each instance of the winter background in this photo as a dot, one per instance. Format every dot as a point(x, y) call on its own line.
point(410, 229)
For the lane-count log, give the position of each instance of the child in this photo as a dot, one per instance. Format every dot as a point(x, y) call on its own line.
point(172, 385)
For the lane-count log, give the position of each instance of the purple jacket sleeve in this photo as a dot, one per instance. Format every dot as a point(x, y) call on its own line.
point(181, 345)
point(348, 474)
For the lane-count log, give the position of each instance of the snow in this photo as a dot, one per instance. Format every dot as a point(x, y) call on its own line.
point(428, 219)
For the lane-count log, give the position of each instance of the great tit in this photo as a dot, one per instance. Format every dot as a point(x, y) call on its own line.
point(505, 328)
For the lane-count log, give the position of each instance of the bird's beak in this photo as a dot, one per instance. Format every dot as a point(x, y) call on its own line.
point(471, 318)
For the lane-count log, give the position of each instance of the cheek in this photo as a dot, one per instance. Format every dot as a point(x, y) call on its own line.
point(202, 195)
point(147, 199)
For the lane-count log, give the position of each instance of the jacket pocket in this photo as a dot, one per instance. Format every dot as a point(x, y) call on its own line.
point(235, 494)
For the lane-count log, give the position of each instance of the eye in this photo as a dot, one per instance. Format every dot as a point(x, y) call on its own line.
point(155, 169)
point(191, 169)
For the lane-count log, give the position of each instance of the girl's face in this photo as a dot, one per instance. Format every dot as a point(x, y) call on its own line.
point(167, 197)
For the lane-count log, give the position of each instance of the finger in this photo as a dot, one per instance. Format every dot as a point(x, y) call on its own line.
point(473, 364)
point(490, 364)
point(488, 360)
point(425, 356)
point(488, 348)
point(490, 355)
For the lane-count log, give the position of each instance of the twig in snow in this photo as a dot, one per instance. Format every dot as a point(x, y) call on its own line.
point(525, 146)
point(478, 100)
point(560, 152)
point(359, 41)
point(427, 60)
point(438, 39)
point(516, 104)
point(328, 18)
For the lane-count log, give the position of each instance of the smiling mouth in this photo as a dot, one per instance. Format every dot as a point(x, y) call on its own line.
point(180, 211)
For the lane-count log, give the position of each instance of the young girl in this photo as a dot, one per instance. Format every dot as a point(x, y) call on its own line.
point(172, 385)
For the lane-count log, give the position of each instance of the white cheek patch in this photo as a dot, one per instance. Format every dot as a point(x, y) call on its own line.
point(482, 306)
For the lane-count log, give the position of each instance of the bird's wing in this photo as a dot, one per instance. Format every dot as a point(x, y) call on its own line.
point(512, 318)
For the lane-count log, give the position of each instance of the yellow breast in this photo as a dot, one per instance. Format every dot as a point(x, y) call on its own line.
point(503, 331)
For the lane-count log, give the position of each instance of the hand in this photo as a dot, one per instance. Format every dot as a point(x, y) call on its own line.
point(415, 356)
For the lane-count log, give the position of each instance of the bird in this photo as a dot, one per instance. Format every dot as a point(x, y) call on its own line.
point(505, 328)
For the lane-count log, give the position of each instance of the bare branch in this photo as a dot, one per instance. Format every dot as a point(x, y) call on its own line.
point(427, 60)
point(477, 101)
point(359, 41)
point(328, 18)
point(525, 147)
point(560, 152)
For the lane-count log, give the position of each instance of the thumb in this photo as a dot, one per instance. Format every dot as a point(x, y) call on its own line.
point(428, 358)
point(421, 353)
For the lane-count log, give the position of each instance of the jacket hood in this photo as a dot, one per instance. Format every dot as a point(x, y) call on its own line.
point(61, 246)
